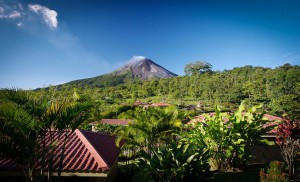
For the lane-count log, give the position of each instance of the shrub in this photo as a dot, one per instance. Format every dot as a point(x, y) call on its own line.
point(274, 173)
point(288, 138)
point(106, 128)
point(175, 162)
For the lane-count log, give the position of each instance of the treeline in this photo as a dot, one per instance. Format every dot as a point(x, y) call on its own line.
point(278, 89)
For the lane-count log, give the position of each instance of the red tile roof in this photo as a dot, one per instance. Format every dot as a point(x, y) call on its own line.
point(84, 151)
point(113, 121)
point(139, 103)
point(6, 163)
point(201, 118)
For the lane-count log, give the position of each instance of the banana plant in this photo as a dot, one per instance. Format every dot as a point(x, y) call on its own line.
point(230, 137)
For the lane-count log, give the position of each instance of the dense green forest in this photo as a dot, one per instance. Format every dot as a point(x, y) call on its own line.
point(278, 89)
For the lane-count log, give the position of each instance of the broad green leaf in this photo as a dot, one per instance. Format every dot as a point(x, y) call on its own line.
point(268, 142)
point(239, 141)
point(190, 158)
point(228, 153)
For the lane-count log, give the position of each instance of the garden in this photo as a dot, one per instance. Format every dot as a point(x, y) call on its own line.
point(160, 144)
point(160, 147)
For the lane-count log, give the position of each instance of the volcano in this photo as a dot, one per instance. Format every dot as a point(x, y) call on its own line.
point(138, 68)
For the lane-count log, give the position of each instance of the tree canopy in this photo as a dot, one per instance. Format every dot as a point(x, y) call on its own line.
point(197, 67)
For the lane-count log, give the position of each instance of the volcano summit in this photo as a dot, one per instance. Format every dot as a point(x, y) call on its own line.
point(138, 68)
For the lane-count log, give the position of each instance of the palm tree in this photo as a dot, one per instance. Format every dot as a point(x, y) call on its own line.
point(19, 128)
point(150, 127)
point(25, 122)
point(68, 115)
point(62, 116)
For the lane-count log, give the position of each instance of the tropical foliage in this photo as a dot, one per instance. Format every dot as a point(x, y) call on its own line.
point(150, 127)
point(25, 121)
point(158, 138)
point(288, 138)
point(106, 128)
point(163, 151)
point(278, 89)
point(178, 152)
point(230, 138)
point(175, 162)
point(19, 128)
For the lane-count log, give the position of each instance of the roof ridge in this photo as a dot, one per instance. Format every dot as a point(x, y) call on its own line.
point(114, 119)
point(100, 133)
point(95, 153)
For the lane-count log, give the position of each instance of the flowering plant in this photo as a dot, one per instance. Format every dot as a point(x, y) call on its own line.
point(274, 173)
point(288, 138)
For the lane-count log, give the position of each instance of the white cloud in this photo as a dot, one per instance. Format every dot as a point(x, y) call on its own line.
point(14, 14)
point(19, 24)
point(49, 16)
point(10, 12)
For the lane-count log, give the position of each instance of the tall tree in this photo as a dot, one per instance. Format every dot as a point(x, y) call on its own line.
point(197, 67)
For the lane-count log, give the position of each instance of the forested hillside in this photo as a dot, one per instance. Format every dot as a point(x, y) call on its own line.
point(278, 89)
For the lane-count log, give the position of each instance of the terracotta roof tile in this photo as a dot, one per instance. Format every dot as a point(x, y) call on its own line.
point(104, 146)
point(6, 163)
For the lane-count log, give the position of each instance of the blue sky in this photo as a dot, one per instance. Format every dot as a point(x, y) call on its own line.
point(46, 42)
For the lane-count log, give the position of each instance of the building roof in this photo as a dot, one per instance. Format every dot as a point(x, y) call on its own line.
point(139, 103)
point(201, 118)
point(160, 104)
point(112, 121)
point(145, 104)
point(84, 152)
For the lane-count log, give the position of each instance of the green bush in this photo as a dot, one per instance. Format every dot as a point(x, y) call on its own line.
point(274, 173)
point(175, 162)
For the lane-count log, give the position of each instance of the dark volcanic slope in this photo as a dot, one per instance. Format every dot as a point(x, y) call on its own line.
point(138, 68)
point(144, 68)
